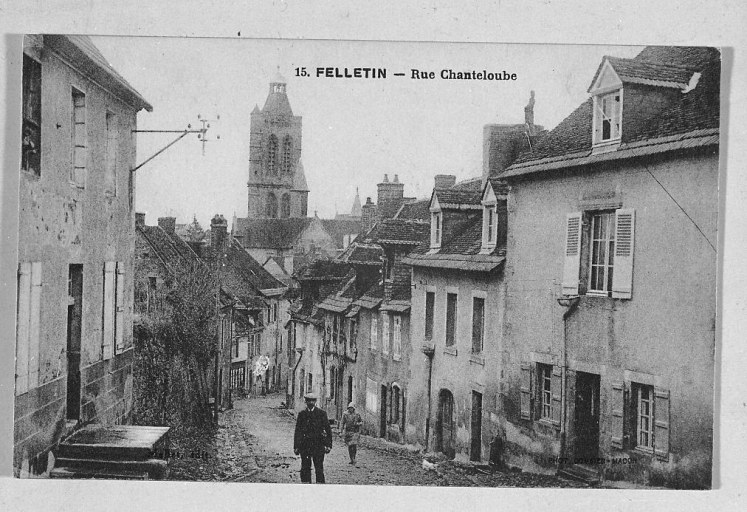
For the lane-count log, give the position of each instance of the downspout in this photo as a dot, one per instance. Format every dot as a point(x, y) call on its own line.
point(571, 305)
point(429, 351)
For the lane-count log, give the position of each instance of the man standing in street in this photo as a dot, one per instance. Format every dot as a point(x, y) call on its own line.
point(312, 439)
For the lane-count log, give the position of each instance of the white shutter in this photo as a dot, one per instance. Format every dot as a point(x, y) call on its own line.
point(617, 425)
point(525, 391)
point(556, 392)
point(622, 274)
point(385, 333)
point(119, 326)
point(661, 423)
point(108, 325)
point(22, 328)
point(35, 324)
point(572, 258)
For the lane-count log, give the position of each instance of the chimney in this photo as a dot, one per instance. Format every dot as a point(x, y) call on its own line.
point(219, 235)
point(168, 224)
point(368, 215)
point(529, 112)
point(445, 180)
point(139, 219)
point(390, 197)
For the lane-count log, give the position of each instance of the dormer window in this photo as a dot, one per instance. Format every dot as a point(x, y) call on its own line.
point(436, 229)
point(607, 117)
point(489, 220)
point(607, 97)
point(437, 224)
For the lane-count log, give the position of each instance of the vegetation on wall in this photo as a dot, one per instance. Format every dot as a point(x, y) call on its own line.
point(175, 349)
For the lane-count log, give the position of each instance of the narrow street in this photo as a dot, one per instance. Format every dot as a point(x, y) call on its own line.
point(255, 444)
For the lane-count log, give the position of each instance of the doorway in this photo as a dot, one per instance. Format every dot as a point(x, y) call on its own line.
point(74, 322)
point(383, 408)
point(445, 424)
point(586, 416)
point(475, 452)
point(350, 389)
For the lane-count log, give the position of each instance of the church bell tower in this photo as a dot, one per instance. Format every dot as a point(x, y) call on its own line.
point(277, 184)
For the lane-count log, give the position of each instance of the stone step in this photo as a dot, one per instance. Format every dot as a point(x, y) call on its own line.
point(156, 469)
point(114, 442)
point(580, 473)
point(100, 473)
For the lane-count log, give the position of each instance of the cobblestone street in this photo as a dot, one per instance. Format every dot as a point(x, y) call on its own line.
point(255, 444)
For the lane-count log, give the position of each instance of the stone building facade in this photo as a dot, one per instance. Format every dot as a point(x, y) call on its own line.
point(611, 306)
point(458, 304)
point(76, 243)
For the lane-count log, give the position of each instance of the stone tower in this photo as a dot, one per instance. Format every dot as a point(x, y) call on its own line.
point(277, 185)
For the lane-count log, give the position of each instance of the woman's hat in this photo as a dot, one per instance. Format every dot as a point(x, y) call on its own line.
point(351, 405)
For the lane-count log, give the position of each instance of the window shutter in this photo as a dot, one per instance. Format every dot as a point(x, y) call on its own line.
point(556, 390)
point(35, 323)
point(120, 309)
point(622, 276)
point(572, 258)
point(22, 328)
point(617, 418)
point(108, 326)
point(526, 391)
point(661, 423)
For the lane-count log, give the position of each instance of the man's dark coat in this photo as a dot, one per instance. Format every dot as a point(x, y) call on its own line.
point(313, 432)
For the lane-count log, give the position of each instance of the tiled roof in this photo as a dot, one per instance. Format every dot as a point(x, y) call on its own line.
point(500, 187)
point(371, 298)
point(459, 251)
point(398, 232)
point(475, 263)
point(416, 210)
point(338, 228)
point(324, 270)
point(691, 119)
point(363, 254)
point(650, 73)
point(173, 251)
point(341, 298)
point(271, 233)
point(473, 184)
point(244, 274)
point(455, 198)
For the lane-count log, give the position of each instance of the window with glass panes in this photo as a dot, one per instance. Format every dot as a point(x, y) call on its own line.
point(645, 417)
point(602, 252)
point(31, 136)
point(430, 302)
point(451, 315)
point(478, 324)
point(544, 377)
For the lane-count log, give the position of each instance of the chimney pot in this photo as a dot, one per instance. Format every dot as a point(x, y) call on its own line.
point(139, 219)
point(386, 178)
point(396, 178)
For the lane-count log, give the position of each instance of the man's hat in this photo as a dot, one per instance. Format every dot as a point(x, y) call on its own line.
point(351, 404)
point(310, 396)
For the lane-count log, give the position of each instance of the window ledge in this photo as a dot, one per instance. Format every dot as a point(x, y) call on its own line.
point(451, 350)
point(603, 295)
point(644, 451)
point(477, 359)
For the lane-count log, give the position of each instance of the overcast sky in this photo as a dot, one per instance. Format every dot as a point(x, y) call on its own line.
point(354, 131)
